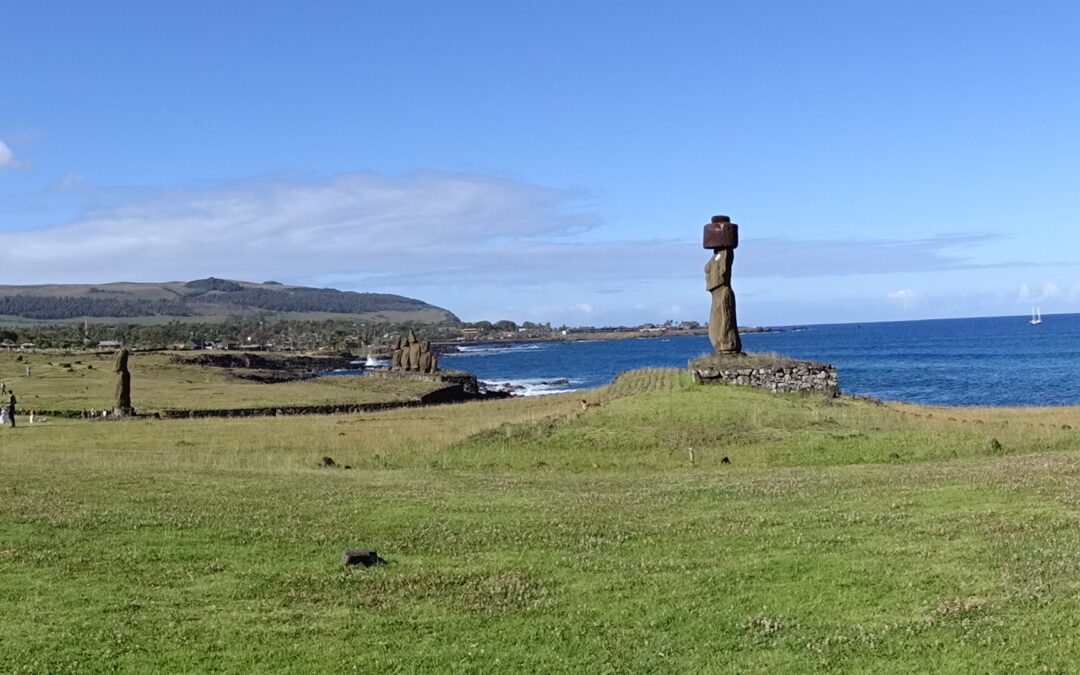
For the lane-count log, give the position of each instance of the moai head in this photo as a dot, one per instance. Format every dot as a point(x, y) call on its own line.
point(721, 233)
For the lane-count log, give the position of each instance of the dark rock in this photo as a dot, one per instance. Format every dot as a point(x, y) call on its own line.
point(362, 556)
point(347, 467)
point(328, 462)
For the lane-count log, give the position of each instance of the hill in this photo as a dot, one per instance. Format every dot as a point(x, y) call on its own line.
point(205, 300)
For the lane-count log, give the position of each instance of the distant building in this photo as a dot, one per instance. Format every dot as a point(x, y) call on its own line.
point(109, 344)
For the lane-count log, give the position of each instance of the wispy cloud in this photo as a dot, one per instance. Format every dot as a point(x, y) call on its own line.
point(905, 298)
point(374, 231)
point(784, 257)
point(352, 224)
point(1049, 291)
point(7, 157)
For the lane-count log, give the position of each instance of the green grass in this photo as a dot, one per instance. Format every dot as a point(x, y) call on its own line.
point(531, 535)
point(159, 383)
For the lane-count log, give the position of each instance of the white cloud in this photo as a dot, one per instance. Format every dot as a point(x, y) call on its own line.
point(69, 183)
point(353, 225)
point(7, 157)
point(1049, 291)
point(906, 298)
point(430, 234)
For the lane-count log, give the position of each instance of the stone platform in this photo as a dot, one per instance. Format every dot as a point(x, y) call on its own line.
point(775, 374)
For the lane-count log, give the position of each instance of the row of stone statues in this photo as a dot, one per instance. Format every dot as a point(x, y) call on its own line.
point(412, 355)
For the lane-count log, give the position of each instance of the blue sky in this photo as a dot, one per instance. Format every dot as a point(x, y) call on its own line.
point(553, 161)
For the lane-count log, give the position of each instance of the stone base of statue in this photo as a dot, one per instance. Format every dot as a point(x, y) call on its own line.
point(778, 374)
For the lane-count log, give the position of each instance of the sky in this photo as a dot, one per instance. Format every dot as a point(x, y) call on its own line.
point(555, 161)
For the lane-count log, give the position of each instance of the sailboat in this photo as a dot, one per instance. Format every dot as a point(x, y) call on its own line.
point(1036, 317)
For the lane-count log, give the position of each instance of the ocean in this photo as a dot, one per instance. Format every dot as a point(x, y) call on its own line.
point(997, 361)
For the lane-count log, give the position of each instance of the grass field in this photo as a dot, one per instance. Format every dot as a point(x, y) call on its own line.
point(86, 381)
point(528, 535)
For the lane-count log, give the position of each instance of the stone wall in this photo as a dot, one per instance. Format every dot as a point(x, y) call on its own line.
point(798, 376)
point(467, 381)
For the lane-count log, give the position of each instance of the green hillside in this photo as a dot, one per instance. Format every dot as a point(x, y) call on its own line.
point(205, 299)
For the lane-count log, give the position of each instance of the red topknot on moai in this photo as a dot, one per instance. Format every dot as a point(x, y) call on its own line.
point(722, 236)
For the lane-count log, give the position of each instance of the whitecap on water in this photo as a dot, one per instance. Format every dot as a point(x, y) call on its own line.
point(485, 350)
point(534, 386)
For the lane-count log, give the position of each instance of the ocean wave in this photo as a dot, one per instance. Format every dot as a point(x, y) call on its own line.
point(490, 350)
point(533, 386)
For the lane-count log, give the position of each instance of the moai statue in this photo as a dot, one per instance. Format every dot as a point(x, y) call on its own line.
point(426, 358)
point(405, 345)
point(722, 236)
point(395, 359)
point(414, 352)
point(123, 386)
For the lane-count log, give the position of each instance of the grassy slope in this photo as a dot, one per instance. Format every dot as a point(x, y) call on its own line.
point(157, 383)
point(528, 535)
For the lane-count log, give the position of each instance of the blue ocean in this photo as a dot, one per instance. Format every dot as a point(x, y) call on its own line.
point(997, 361)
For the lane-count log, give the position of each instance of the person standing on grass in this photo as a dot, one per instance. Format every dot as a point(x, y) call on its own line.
point(11, 409)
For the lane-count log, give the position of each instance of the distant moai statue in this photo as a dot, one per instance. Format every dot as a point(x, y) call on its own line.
point(414, 352)
point(722, 236)
point(395, 359)
point(427, 359)
point(123, 386)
